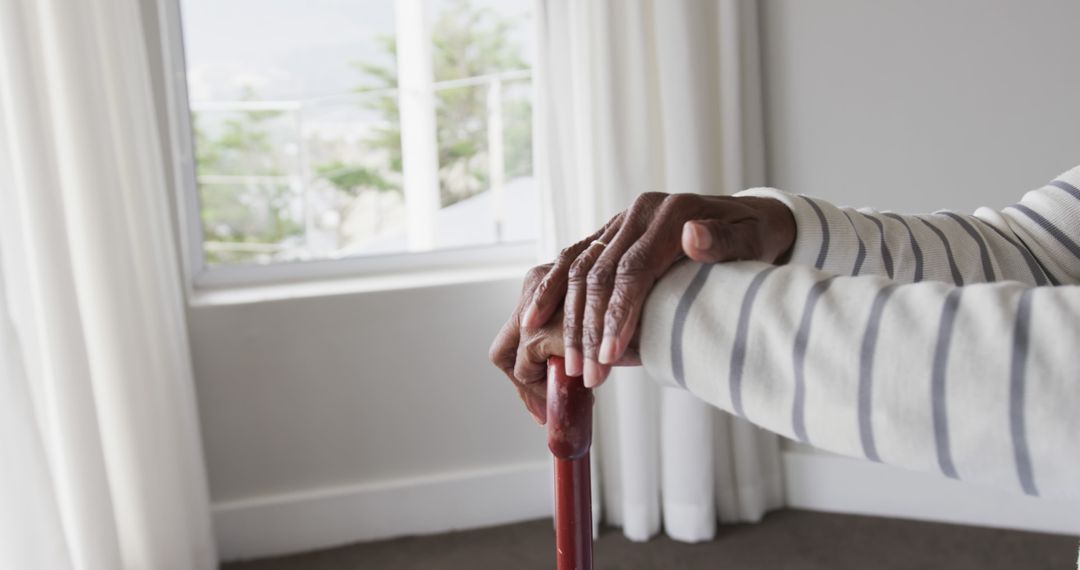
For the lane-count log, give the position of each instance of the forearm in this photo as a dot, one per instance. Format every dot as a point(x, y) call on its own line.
point(976, 382)
point(1027, 242)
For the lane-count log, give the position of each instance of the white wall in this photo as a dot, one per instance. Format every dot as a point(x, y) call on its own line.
point(324, 391)
point(919, 105)
point(361, 397)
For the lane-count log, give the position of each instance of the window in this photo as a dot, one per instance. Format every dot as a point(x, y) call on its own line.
point(346, 129)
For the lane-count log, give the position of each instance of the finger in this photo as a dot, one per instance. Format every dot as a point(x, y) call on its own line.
point(503, 350)
point(601, 281)
point(535, 401)
point(641, 266)
point(534, 350)
point(551, 290)
point(532, 280)
point(530, 366)
point(712, 241)
point(574, 302)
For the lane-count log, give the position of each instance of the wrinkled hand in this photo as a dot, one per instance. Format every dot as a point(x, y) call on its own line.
point(510, 342)
point(601, 282)
point(522, 353)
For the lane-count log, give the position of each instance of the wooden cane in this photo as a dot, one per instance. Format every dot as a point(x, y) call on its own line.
point(569, 423)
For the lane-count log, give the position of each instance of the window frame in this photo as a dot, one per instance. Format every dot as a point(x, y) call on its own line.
point(202, 276)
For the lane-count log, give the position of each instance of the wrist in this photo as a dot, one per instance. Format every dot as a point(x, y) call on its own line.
point(777, 226)
point(781, 229)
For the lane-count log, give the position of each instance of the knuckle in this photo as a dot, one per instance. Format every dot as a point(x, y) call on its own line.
point(601, 276)
point(618, 311)
point(536, 273)
point(526, 373)
point(532, 277)
point(531, 344)
point(543, 288)
point(644, 205)
point(580, 268)
point(650, 198)
point(679, 203)
point(499, 356)
point(567, 255)
point(634, 263)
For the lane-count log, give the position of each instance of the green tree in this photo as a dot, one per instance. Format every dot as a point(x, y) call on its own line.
point(467, 41)
point(258, 212)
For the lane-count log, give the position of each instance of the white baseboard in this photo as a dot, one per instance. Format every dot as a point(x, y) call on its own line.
point(822, 482)
point(297, 522)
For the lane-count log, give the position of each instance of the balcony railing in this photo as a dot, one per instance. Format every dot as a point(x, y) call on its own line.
point(300, 176)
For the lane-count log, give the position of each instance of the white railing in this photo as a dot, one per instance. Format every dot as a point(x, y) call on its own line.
point(301, 180)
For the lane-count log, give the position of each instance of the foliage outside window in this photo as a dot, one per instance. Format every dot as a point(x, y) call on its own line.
point(319, 175)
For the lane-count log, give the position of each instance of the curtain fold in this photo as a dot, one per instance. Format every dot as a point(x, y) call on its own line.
point(97, 400)
point(633, 96)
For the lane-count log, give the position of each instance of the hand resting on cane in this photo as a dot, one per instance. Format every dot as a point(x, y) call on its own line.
point(522, 353)
point(595, 289)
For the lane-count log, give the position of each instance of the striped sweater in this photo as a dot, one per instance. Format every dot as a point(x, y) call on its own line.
point(944, 342)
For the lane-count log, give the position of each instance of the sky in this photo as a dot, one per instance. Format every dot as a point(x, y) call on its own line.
point(293, 49)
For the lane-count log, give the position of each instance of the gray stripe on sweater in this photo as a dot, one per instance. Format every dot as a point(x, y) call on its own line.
point(866, 372)
point(1040, 275)
point(1050, 228)
point(886, 257)
point(937, 383)
point(1017, 380)
point(914, 246)
point(860, 257)
point(984, 252)
point(802, 338)
point(823, 252)
point(738, 350)
point(679, 323)
point(1066, 187)
point(958, 279)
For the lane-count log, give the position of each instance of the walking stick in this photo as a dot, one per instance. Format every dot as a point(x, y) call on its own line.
point(569, 423)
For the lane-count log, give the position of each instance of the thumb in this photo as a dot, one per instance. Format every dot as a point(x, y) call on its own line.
point(711, 241)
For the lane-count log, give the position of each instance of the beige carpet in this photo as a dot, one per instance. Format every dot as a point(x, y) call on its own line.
point(785, 539)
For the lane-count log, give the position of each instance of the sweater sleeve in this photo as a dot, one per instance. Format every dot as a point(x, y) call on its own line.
point(980, 383)
point(1032, 242)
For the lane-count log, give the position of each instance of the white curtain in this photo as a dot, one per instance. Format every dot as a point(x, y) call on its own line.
point(101, 459)
point(639, 95)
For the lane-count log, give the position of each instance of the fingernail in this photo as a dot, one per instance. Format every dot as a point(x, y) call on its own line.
point(573, 362)
point(607, 350)
point(700, 237)
point(592, 373)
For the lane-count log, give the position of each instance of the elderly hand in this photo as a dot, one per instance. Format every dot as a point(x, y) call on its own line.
point(601, 283)
point(522, 353)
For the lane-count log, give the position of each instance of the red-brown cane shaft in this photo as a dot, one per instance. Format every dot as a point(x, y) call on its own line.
point(573, 514)
point(569, 421)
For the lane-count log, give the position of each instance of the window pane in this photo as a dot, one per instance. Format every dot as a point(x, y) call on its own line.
point(298, 127)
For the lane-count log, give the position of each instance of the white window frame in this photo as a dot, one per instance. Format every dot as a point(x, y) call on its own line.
point(202, 276)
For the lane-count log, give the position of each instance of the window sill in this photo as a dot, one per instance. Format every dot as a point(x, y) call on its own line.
point(243, 284)
point(274, 292)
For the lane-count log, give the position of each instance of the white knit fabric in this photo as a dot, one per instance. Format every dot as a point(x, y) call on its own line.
point(928, 342)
